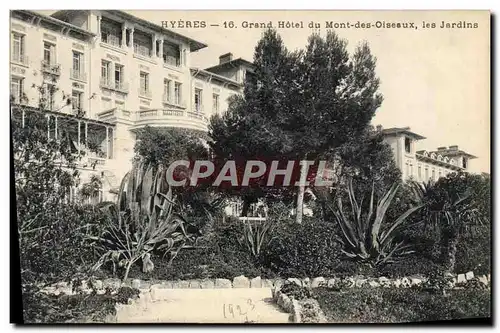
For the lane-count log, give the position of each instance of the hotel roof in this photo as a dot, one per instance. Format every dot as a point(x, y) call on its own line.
point(402, 130)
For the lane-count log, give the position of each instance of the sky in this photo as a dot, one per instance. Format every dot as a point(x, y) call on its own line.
point(434, 80)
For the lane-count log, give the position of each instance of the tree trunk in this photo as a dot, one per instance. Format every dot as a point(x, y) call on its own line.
point(244, 209)
point(449, 245)
point(300, 204)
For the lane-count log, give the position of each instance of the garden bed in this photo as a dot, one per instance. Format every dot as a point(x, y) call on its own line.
point(44, 308)
point(392, 305)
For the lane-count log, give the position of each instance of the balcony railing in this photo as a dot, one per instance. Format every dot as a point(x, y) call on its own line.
point(170, 117)
point(79, 75)
point(111, 40)
point(172, 61)
point(51, 67)
point(145, 93)
point(118, 86)
point(20, 59)
point(142, 50)
point(197, 107)
point(196, 115)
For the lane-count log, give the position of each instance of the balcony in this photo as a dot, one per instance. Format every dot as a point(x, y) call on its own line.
point(20, 59)
point(110, 39)
point(170, 118)
point(145, 93)
point(171, 61)
point(116, 86)
point(51, 68)
point(142, 50)
point(78, 75)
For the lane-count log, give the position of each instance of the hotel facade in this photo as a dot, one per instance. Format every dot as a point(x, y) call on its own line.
point(109, 74)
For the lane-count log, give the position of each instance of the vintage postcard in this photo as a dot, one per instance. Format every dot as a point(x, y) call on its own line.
point(279, 166)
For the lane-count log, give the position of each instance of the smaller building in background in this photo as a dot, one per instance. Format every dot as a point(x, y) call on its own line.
point(423, 165)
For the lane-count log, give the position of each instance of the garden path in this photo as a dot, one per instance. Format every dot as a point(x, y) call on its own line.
point(205, 306)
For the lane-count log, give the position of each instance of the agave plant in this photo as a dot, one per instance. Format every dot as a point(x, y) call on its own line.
point(142, 221)
point(367, 237)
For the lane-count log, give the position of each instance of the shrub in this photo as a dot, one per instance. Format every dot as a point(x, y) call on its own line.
point(402, 305)
point(55, 245)
point(294, 290)
point(305, 250)
point(42, 308)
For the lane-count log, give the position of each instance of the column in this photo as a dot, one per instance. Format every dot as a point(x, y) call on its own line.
point(86, 134)
point(79, 135)
point(124, 35)
point(48, 126)
point(99, 27)
point(131, 39)
point(55, 131)
point(107, 142)
point(22, 115)
point(154, 46)
point(161, 50)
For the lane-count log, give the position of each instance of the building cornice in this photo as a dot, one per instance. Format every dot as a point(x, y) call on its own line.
point(53, 20)
point(198, 71)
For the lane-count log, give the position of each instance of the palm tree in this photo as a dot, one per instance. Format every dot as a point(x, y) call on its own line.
point(452, 207)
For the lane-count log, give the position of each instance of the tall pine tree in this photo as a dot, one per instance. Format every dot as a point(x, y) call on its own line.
point(301, 105)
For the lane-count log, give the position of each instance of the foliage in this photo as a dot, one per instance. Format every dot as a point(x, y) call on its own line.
point(305, 250)
point(162, 146)
point(55, 246)
point(394, 305)
point(292, 289)
point(305, 104)
point(455, 205)
point(42, 308)
point(365, 238)
point(142, 221)
point(159, 147)
point(256, 235)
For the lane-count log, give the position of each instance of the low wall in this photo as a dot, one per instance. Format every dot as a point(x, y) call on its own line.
point(100, 286)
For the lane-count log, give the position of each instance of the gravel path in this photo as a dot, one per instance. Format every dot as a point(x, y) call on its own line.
point(205, 306)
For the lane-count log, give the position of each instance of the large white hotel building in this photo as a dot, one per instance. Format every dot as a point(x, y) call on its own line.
point(122, 73)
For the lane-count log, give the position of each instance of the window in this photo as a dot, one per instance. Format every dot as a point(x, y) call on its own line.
point(18, 48)
point(171, 54)
point(426, 173)
point(411, 170)
point(77, 71)
point(215, 103)
point(439, 174)
point(408, 145)
point(419, 172)
point(464, 163)
point(167, 90)
point(76, 100)
point(17, 89)
point(144, 88)
point(198, 100)
point(177, 93)
point(111, 32)
point(433, 174)
point(118, 76)
point(105, 71)
point(407, 169)
point(49, 53)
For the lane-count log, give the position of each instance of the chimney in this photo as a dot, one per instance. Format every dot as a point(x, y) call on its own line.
point(225, 58)
point(441, 148)
point(379, 128)
point(455, 147)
